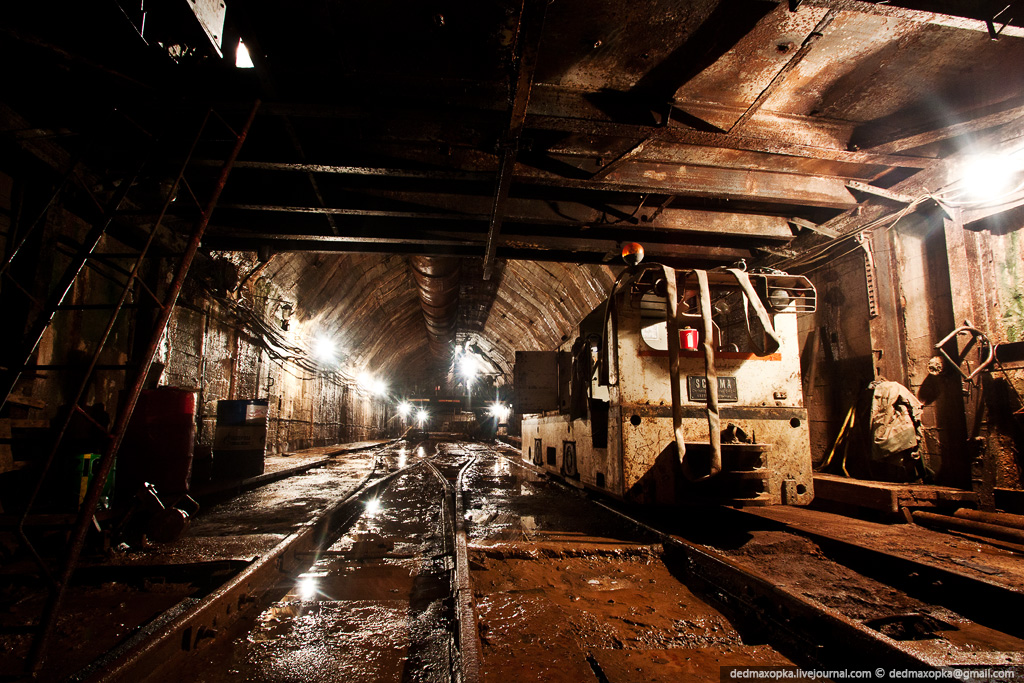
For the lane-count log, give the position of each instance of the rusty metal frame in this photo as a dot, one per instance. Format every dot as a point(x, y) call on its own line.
point(83, 522)
point(527, 47)
point(783, 74)
point(92, 240)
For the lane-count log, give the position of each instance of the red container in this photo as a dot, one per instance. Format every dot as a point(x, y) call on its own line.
point(688, 339)
point(158, 445)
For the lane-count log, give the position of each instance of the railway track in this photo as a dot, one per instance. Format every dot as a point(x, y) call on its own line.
point(457, 561)
point(833, 605)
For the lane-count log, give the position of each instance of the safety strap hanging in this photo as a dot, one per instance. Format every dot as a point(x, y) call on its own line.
point(672, 315)
point(770, 342)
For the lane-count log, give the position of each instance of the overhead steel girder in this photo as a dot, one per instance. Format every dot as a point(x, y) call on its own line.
point(962, 14)
point(462, 129)
point(674, 179)
point(526, 248)
point(466, 208)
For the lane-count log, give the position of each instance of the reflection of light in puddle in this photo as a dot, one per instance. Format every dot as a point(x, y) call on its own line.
point(372, 507)
point(307, 588)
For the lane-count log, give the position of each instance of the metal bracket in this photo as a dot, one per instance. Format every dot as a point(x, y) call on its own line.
point(975, 334)
point(993, 34)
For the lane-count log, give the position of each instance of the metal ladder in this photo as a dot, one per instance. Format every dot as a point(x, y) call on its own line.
point(84, 257)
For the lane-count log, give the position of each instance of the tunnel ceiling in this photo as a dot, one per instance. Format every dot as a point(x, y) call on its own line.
point(527, 139)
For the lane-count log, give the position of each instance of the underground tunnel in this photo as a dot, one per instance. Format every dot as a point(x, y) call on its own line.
point(575, 341)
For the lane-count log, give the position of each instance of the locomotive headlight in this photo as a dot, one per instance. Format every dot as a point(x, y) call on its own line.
point(779, 299)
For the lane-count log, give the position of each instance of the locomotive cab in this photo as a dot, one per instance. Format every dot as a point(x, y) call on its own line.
point(683, 387)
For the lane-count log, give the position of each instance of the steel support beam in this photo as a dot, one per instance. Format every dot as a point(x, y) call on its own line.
point(658, 178)
point(967, 288)
point(527, 45)
point(931, 132)
point(969, 16)
point(463, 208)
point(783, 74)
point(512, 247)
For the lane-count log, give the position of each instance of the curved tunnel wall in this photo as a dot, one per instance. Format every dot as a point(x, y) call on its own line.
point(400, 316)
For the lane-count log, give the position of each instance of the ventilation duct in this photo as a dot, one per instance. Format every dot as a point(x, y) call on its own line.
point(437, 278)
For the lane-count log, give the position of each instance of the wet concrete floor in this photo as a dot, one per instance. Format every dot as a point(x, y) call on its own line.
point(373, 606)
point(138, 583)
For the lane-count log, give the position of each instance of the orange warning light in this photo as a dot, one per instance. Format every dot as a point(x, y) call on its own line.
point(632, 253)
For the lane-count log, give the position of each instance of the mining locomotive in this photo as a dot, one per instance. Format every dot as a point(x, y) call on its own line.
point(684, 386)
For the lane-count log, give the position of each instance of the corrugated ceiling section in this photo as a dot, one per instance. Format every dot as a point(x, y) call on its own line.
point(538, 304)
point(368, 304)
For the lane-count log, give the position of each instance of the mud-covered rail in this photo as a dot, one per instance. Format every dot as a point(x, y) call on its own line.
point(374, 599)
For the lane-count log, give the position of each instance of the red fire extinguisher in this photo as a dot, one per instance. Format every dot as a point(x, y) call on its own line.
point(688, 339)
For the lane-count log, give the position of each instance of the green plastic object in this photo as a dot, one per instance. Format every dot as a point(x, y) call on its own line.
point(86, 462)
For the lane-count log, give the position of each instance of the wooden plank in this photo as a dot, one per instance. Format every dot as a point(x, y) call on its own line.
point(22, 400)
point(866, 494)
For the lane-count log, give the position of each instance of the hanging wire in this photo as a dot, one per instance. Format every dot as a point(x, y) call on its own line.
point(824, 254)
point(952, 196)
point(268, 337)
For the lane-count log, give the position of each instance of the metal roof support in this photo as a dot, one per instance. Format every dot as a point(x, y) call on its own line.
point(527, 45)
point(783, 74)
